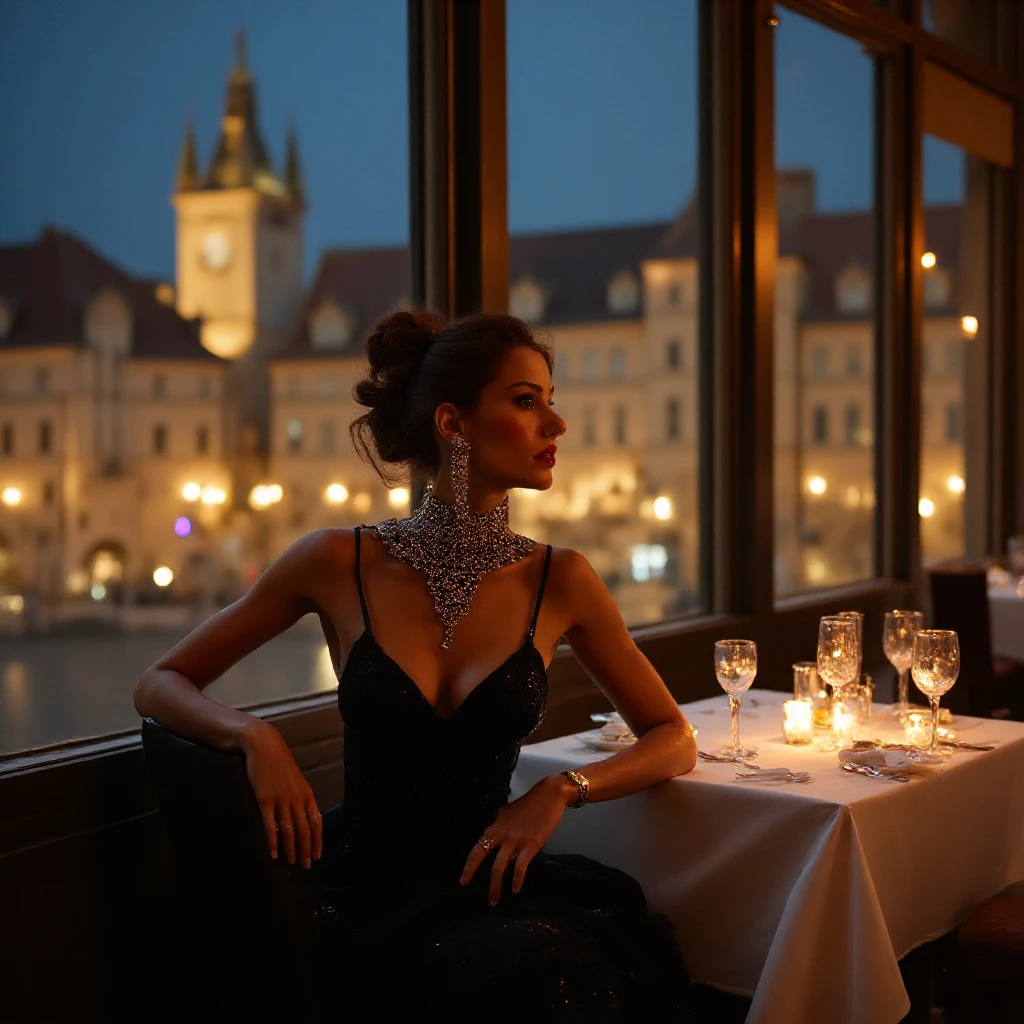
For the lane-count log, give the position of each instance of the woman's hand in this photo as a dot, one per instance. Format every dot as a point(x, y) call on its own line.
point(520, 830)
point(283, 795)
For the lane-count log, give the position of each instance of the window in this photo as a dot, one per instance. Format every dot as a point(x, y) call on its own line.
point(954, 430)
point(159, 386)
point(45, 437)
point(330, 326)
point(672, 358)
point(49, 493)
point(7, 439)
point(620, 298)
point(527, 300)
point(937, 288)
point(204, 387)
point(955, 358)
point(42, 380)
point(561, 366)
point(824, 472)
point(202, 439)
point(327, 437)
point(617, 363)
point(159, 439)
point(619, 429)
point(819, 428)
point(672, 426)
point(295, 435)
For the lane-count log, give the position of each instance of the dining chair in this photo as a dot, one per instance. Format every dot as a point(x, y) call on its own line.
point(987, 685)
point(252, 917)
point(991, 960)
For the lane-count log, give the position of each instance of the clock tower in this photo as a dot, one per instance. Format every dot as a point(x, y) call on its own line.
point(239, 252)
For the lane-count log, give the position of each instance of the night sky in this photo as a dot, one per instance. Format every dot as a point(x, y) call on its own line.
point(602, 113)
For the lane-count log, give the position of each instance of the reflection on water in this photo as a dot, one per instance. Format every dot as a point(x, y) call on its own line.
point(62, 687)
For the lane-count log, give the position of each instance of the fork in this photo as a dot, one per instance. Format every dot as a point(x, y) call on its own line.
point(877, 773)
point(725, 759)
point(961, 745)
point(774, 775)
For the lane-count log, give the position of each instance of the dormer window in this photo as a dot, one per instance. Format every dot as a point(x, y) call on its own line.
point(5, 318)
point(624, 293)
point(527, 300)
point(937, 288)
point(853, 290)
point(330, 327)
point(108, 322)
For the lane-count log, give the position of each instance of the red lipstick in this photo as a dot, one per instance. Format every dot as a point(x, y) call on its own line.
point(547, 456)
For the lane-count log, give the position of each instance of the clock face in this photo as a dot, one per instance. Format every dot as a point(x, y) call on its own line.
point(216, 250)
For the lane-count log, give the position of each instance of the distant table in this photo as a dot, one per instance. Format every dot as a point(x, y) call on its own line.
point(1006, 610)
point(804, 897)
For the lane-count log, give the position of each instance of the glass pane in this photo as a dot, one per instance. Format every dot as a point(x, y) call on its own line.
point(602, 179)
point(969, 24)
point(955, 338)
point(824, 313)
point(127, 513)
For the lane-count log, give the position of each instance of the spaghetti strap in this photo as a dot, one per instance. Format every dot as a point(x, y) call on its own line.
point(359, 586)
point(540, 593)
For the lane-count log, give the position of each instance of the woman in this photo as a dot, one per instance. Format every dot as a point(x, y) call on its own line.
point(437, 895)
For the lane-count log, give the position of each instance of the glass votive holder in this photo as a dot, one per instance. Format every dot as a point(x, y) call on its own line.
point(845, 723)
point(796, 722)
point(859, 696)
point(821, 709)
point(917, 728)
point(805, 680)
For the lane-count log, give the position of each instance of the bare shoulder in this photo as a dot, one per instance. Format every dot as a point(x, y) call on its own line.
point(573, 579)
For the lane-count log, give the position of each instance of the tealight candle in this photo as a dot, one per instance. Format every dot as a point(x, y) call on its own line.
point(917, 727)
point(797, 722)
point(845, 724)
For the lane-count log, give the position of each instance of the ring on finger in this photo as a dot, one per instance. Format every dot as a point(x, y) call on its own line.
point(487, 843)
point(285, 825)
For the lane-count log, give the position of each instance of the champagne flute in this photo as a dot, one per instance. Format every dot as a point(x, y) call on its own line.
point(898, 644)
point(935, 666)
point(735, 667)
point(837, 661)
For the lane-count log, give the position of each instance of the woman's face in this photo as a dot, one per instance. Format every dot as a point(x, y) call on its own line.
point(514, 428)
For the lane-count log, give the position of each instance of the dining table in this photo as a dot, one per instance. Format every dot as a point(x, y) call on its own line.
point(1006, 613)
point(803, 896)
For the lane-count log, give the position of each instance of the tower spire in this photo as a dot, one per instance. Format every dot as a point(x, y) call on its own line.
point(188, 164)
point(293, 168)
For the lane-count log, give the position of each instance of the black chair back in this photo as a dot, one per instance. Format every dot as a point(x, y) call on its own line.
point(960, 602)
point(252, 914)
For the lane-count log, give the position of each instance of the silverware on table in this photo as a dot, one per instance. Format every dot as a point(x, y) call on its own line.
point(774, 775)
point(961, 745)
point(726, 759)
point(875, 772)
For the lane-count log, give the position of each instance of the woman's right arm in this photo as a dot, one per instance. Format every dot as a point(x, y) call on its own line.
point(170, 690)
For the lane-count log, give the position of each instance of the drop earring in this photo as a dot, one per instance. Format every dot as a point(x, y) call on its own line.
point(460, 476)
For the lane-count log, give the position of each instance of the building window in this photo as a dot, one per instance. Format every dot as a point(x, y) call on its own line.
point(159, 439)
point(561, 366)
point(42, 380)
point(7, 439)
point(853, 363)
point(672, 354)
point(202, 439)
point(327, 437)
point(624, 293)
point(49, 493)
point(954, 428)
point(590, 364)
point(955, 358)
point(675, 294)
point(617, 363)
point(330, 326)
point(672, 425)
point(159, 386)
point(937, 289)
point(45, 437)
point(620, 424)
point(527, 300)
point(295, 435)
point(819, 425)
point(819, 361)
point(589, 427)
point(853, 424)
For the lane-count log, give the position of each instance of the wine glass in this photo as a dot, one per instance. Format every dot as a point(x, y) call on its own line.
point(735, 667)
point(837, 660)
point(858, 618)
point(898, 644)
point(935, 666)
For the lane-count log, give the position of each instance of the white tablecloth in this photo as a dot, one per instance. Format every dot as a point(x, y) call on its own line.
point(805, 896)
point(1006, 608)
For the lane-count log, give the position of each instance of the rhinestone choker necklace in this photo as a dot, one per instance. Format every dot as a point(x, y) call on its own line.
point(454, 551)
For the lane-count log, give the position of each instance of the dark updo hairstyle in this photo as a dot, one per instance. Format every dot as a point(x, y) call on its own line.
point(417, 362)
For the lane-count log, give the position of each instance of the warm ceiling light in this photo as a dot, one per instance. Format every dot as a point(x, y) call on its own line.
point(662, 508)
point(926, 508)
point(398, 496)
point(211, 495)
point(956, 484)
point(817, 485)
point(928, 260)
point(275, 492)
point(163, 576)
point(336, 494)
point(191, 491)
point(12, 496)
point(969, 326)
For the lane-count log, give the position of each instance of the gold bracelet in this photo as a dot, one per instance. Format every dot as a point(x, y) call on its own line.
point(582, 784)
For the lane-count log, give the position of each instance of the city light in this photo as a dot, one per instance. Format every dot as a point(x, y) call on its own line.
point(12, 496)
point(211, 495)
point(191, 491)
point(928, 260)
point(817, 485)
point(13, 603)
point(956, 484)
point(969, 326)
point(662, 508)
point(263, 495)
point(398, 496)
point(648, 561)
point(163, 575)
point(926, 508)
point(98, 592)
point(336, 494)
point(183, 526)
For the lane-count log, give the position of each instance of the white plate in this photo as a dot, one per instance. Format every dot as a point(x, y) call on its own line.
point(593, 739)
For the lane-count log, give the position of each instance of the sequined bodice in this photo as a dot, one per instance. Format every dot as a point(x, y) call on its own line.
point(412, 774)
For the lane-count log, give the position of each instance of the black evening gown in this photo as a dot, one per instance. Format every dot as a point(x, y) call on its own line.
point(401, 935)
